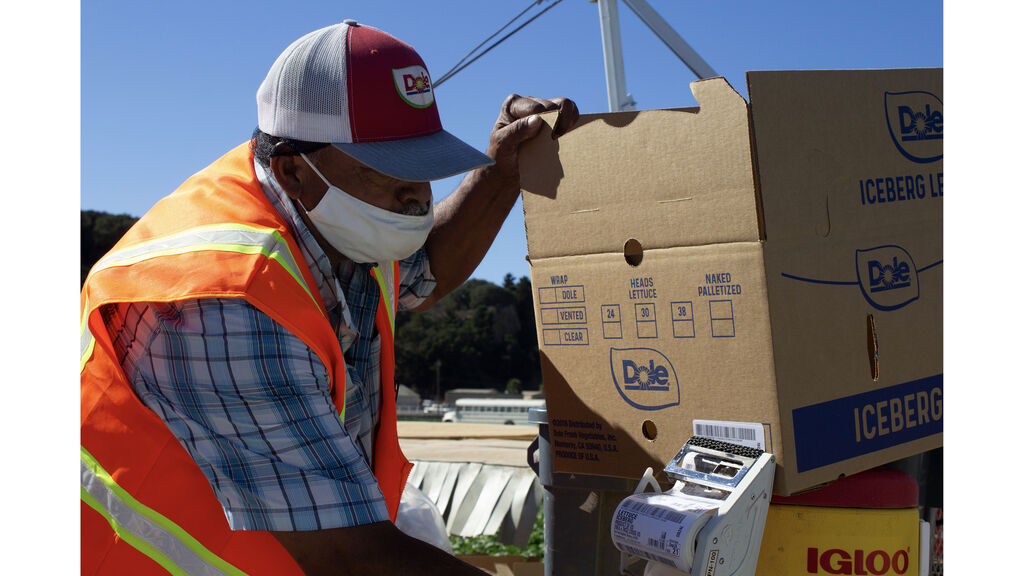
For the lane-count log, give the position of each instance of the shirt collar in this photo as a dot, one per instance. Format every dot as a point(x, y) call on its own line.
point(327, 280)
point(314, 255)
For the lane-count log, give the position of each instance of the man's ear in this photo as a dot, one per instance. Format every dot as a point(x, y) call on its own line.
point(285, 170)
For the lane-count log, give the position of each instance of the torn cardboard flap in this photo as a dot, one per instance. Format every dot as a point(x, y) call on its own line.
point(771, 278)
point(625, 176)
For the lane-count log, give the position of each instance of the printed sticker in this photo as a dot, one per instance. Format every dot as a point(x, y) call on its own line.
point(413, 85)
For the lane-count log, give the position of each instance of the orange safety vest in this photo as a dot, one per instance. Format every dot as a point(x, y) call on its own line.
point(143, 497)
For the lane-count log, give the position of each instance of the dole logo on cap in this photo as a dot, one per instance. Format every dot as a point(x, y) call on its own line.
point(413, 85)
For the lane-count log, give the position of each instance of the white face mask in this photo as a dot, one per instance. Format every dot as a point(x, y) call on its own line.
point(364, 232)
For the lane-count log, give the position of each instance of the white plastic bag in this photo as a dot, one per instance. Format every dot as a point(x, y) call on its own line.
point(419, 517)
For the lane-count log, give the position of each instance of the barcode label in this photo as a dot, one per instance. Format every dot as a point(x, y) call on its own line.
point(727, 432)
point(660, 526)
point(743, 433)
point(649, 555)
point(654, 511)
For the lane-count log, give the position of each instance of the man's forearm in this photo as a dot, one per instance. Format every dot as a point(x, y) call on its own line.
point(379, 548)
point(466, 223)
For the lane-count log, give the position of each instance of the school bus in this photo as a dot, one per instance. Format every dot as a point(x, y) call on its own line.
point(492, 410)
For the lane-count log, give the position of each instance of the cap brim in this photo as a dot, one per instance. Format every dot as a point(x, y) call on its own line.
point(419, 159)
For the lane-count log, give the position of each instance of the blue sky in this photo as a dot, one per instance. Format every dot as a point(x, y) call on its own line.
point(168, 87)
point(143, 94)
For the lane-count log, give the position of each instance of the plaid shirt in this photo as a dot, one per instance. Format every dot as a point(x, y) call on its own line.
point(251, 403)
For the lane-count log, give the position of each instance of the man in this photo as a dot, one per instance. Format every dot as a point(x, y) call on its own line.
point(238, 398)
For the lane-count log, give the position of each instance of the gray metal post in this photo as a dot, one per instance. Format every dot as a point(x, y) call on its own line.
point(611, 42)
point(614, 72)
point(671, 38)
point(577, 513)
point(539, 416)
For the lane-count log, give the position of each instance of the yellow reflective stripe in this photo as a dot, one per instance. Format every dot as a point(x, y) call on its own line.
point(132, 540)
point(87, 354)
point(385, 280)
point(238, 238)
point(141, 514)
point(344, 399)
point(223, 233)
point(238, 248)
point(88, 343)
point(393, 286)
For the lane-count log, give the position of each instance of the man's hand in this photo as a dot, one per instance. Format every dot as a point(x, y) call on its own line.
point(517, 123)
point(466, 222)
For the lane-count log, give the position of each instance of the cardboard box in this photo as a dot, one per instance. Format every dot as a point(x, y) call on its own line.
point(767, 274)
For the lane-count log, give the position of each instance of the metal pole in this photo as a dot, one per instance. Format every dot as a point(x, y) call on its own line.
point(615, 74)
point(670, 37)
point(437, 381)
point(577, 512)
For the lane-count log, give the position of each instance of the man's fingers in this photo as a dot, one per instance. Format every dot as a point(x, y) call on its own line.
point(525, 106)
point(568, 114)
point(518, 131)
point(516, 107)
point(518, 120)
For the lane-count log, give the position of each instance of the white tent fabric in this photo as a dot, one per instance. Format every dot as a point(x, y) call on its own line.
point(476, 498)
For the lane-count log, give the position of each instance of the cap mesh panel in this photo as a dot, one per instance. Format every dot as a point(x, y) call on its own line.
point(304, 95)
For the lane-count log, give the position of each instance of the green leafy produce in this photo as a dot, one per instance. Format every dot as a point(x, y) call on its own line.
point(490, 546)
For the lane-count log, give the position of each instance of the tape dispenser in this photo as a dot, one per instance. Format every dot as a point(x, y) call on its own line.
point(710, 522)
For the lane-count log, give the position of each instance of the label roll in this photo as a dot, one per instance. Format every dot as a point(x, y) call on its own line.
point(660, 526)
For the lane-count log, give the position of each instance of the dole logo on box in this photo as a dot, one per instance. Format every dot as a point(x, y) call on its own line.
point(887, 277)
point(648, 377)
point(644, 377)
point(915, 124)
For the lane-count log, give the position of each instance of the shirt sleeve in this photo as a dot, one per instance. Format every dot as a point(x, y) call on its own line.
point(415, 281)
point(251, 404)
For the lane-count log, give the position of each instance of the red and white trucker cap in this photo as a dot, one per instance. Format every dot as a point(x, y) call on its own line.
point(368, 94)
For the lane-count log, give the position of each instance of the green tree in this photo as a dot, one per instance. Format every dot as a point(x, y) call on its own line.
point(483, 334)
point(100, 231)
